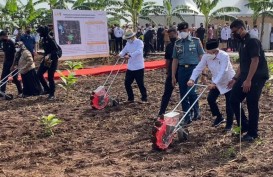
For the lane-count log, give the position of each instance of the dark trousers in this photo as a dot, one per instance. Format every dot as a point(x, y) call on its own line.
point(137, 75)
point(6, 71)
point(50, 71)
point(160, 45)
point(252, 100)
point(212, 97)
point(118, 44)
point(229, 43)
point(168, 90)
point(184, 75)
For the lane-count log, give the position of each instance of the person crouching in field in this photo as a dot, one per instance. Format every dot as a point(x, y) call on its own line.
point(133, 52)
point(218, 62)
point(24, 63)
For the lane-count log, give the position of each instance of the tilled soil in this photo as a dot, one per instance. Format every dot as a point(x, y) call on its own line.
point(115, 142)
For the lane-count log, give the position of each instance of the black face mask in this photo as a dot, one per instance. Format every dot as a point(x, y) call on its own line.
point(237, 36)
point(173, 39)
point(28, 32)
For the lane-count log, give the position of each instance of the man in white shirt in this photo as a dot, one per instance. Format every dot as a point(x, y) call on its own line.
point(118, 32)
point(133, 52)
point(225, 35)
point(254, 32)
point(218, 62)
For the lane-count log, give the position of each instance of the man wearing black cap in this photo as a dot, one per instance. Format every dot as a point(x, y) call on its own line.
point(50, 62)
point(249, 80)
point(222, 72)
point(186, 55)
point(9, 51)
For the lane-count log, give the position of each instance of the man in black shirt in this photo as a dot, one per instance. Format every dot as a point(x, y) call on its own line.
point(200, 33)
point(9, 51)
point(50, 62)
point(168, 83)
point(160, 38)
point(249, 80)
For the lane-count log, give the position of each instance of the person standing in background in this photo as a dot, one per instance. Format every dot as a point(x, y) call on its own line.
point(29, 42)
point(224, 37)
point(254, 32)
point(200, 33)
point(271, 39)
point(193, 30)
point(166, 37)
point(118, 32)
point(160, 38)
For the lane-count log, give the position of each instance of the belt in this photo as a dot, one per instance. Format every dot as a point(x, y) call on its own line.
point(187, 65)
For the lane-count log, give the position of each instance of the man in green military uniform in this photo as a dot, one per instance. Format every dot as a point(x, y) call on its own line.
point(186, 55)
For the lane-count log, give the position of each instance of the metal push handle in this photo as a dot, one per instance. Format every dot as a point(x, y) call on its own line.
point(12, 74)
point(177, 127)
point(111, 72)
point(114, 76)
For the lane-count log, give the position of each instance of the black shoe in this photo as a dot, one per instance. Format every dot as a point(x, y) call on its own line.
point(45, 93)
point(196, 117)
point(228, 128)
point(248, 138)
point(51, 98)
point(218, 121)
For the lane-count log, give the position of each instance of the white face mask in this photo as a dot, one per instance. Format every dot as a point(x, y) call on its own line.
point(17, 49)
point(211, 56)
point(183, 35)
point(130, 41)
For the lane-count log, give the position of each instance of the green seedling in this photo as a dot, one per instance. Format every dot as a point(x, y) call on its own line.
point(49, 122)
point(68, 81)
point(236, 130)
point(74, 65)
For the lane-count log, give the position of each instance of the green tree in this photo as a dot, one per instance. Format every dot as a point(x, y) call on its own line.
point(206, 7)
point(260, 8)
point(95, 4)
point(169, 12)
point(110, 6)
point(132, 10)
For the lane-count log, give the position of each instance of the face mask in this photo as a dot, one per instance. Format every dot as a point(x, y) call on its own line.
point(130, 41)
point(184, 35)
point(17, 49)
point(211, 56)
point(28, 31)
point(237, 35)
point(173, 39)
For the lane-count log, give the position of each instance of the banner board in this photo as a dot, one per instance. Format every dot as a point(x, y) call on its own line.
point(81, 33)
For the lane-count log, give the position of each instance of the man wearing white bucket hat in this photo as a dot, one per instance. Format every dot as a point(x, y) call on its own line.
point(133, 52)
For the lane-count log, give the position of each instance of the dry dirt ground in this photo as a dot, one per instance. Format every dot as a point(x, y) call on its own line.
point(115, 142)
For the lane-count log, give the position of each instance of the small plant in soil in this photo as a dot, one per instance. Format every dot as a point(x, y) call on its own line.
point(49, 122)
point(236, 130)
point(74, 65)
point(70, 80)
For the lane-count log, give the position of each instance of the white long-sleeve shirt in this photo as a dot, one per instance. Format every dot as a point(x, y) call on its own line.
point(254, 32)
point(220, 68)
point(135, 50)
point(225, 33)
point(118, 32)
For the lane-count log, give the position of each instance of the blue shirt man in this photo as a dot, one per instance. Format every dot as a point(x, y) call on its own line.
point(29, 41)
point(187, 53)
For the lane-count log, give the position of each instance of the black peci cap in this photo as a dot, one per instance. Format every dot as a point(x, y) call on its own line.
point(212, 44)
point(183, 25)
